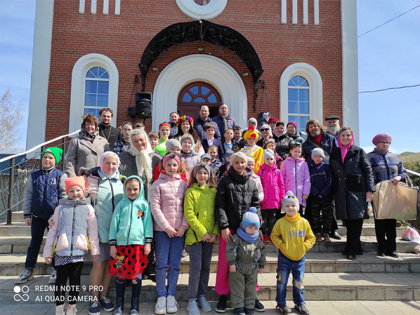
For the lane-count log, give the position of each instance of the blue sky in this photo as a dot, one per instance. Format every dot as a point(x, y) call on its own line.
point(388, 57)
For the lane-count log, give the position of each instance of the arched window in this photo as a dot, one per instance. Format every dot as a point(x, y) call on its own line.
point(96, 90)
point(298, 101)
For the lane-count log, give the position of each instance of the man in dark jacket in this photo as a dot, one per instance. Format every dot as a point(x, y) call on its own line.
point(173, 120)
point(223, 120)
point(318, 138)
point(202, 121)
point(110, 133)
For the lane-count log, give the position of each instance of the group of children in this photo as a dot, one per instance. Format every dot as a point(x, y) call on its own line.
point(188, 210)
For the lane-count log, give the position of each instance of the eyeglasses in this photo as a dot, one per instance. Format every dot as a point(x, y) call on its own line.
point(385, 142)
point(265, 129)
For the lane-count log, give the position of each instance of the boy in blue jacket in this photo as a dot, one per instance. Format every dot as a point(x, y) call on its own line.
point(320, 196)
point(43, 190)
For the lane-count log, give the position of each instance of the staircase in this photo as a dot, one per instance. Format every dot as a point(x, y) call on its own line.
point(329, 276)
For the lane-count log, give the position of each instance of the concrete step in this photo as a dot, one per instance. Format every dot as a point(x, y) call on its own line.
point(17, 216)
point(13, 264)
point(318, 287)
point(315, 307)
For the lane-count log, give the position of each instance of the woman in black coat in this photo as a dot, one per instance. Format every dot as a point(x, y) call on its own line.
point(352, 186)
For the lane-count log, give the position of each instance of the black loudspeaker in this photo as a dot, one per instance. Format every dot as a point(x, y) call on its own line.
point(143, 107)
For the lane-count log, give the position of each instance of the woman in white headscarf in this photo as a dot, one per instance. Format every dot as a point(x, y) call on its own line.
point(139, 159)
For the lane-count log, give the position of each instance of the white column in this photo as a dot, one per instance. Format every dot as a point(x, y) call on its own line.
point(40, 73)
point(316, 12)
point(106, 7)
point(294, 11)
point(81, 6)
point(117, 7)
point(93, 7)
point(283, 11)
point(305, 11)
point(350, 66)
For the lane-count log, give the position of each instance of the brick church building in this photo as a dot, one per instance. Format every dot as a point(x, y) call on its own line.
point(294, 58)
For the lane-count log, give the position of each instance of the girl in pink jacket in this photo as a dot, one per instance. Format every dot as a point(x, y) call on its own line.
point(296, 175)
point(167, 205)
point(273, 186)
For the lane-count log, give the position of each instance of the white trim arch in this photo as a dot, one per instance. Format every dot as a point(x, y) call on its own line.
point(198, 67)
point(198, 12)
point(78, 76)
point(315, 89)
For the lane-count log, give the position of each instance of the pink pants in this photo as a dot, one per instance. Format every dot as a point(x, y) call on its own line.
point(222, 274)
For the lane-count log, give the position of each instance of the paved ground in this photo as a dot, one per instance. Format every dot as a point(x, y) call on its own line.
point(316, 308)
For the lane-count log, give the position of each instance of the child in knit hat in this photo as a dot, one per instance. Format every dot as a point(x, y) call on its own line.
point(291, 234)
point(44, 188)
point(188, 155)
point(320, 196)
point(273, 186)
point(74, 233)
point(245, 255)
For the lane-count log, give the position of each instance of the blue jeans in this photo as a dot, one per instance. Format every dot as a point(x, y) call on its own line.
point(37, 235)
point(200, 260)
point(168, 253)
point(285, 265)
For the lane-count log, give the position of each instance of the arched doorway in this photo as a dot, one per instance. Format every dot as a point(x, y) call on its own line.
point(195, 95)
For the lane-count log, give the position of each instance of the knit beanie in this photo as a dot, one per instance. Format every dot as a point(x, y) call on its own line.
point(289, 198)
point(238, 155)
point(75, 181)
point(172, 143)
point(294, 123)
point(228, 153)
point(169, 156)
point(250, 219)
point(268, 154)
point(185, 137)
point(381, 137)
point(57, 152)
point(317, 151)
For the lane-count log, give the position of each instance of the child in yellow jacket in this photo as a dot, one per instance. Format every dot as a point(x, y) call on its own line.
point(292, 234)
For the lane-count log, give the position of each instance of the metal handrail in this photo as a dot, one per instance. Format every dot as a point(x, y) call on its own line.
point(38, 146)
point(412, 172)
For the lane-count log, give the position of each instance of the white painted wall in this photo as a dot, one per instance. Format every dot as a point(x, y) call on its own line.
point(40, 73)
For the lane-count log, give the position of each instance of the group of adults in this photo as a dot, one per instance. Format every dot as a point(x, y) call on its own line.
point(354, 173)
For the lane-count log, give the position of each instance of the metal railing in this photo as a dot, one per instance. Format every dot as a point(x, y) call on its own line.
point(13, 179)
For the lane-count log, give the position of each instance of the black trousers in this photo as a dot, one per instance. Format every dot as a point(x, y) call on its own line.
point(386, 233)
point(321, 223)
point(71, 271)
point(268, 220)
point(354, 231)
point(334, 225)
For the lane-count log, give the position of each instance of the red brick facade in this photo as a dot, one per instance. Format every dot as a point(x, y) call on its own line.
point(123, 38)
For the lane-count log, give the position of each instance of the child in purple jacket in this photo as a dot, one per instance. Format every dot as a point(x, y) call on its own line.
point(273, 186)
point(296, 176)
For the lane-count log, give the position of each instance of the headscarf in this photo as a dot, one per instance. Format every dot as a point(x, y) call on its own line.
point(143, 159)
point(101, 163)
point(343, 148)
point(270, 132)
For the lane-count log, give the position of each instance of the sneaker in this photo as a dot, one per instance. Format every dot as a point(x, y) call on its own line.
point(204, 305)
point(239, 311)
point(184, 253)
point(221, 305)
point(71, 309)
point(258, 306)
point(106, 304)
point(160, 307)
point(24, 277)
point(326, 238)
point(192, 308)
point(392, 254)
point(53, 276)
point(302, 309)
point(134, 309)
point(266, 239)
point(283, 308)
point(171, 305)
point(119, 307)
point(318, 237)
point(94, 308)
point(249, 311)
point(60, 310)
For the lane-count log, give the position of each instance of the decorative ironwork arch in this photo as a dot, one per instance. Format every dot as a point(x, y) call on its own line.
point(200, 30)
